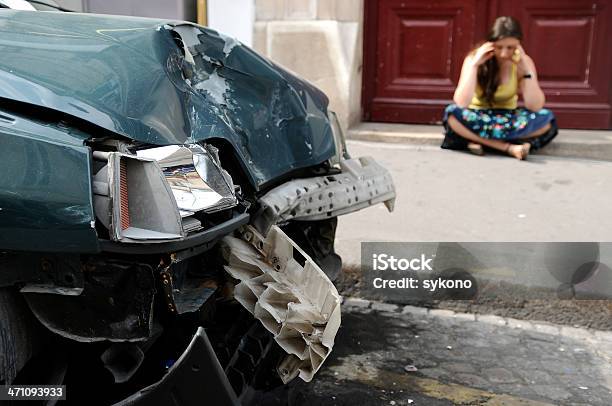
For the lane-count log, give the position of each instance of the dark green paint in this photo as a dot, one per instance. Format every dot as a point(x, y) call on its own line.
point(124, 74)
point(45, 188)
point(127, 75)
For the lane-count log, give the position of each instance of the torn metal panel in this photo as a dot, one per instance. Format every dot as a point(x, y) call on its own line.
point(362, 183)
point(184, 292)
point(122, 360)
point(142, 87)
point(195, 378)
point(292, 297)
point(116, 305)
point(56, 274)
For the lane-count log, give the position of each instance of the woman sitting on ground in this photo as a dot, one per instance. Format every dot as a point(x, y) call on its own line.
point(485, 110)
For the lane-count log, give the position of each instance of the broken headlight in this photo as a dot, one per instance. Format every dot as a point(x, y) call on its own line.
point(195, 176)
point(152, 196)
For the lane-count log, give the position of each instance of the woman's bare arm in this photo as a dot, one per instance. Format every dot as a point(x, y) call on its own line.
point(469, 74)
point(467, 83)
point(533, 96)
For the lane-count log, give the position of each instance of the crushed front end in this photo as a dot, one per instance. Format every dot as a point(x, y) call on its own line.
point(175, 237)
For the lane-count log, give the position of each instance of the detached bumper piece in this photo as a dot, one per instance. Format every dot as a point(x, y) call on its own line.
point(291, 296)
point(362, 183)
point(195, 379)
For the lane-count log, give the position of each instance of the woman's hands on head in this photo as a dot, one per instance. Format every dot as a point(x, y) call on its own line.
point(524, 63)
point(483, 54)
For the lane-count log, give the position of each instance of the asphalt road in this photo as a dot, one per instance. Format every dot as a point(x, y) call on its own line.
point(454, 196)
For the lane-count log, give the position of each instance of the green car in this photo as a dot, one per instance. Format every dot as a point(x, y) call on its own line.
point(168, 206)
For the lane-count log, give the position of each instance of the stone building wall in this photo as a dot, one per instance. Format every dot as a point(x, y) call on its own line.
point(321, 41)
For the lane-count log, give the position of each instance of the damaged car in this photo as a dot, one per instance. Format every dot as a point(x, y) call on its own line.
point(168, 208)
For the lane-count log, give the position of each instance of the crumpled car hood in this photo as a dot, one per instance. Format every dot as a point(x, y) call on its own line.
point(140, 79)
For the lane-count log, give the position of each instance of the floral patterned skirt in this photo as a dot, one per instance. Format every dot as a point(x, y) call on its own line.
point(499, 124)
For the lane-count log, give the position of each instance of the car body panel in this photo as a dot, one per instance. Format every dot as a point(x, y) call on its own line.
point(126, 75)
point(45, 188)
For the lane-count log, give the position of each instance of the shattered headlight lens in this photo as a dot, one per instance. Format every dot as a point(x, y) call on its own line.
point(339, 140)
point(195, 176)
point(151, 196)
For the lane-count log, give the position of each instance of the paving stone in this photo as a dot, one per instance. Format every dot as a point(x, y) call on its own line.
point(480, 342)
point(513, 332)
point(535, 377)
point(357, 302)
point(434, 373)
point(472, 380)
point(562, 367)
point(551, 392)
point(499, 375)
point(485, 356)
point(384, 307)
point(542, 337)
point(505, 340)
point(514, 389)
point(424, 362)
point(510, 360)
point(458, 367)
point(483, 329)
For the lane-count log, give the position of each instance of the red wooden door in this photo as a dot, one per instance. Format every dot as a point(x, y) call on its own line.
point(571, 44)
point(413, 51)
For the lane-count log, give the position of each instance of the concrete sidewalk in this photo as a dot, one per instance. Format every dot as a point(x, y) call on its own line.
point(590, 144)
point(455, 196)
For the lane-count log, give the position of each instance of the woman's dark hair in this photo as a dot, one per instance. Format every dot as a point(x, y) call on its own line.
point(488, 78)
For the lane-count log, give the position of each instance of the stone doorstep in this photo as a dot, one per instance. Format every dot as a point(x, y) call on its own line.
point(585, 144)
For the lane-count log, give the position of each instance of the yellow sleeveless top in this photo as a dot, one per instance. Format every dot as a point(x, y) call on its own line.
point(505, 97)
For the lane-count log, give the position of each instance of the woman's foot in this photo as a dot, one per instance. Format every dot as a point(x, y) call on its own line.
point(519, 151)
point(475, 149)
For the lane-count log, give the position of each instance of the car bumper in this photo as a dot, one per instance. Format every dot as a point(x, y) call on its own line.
point(361, 183)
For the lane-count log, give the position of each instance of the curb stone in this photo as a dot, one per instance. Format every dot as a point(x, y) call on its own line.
point(583, 144)
point(540, 327)
point(421, 311)
point(604, 335)
point(357, 302)
point(576, 333)
point(547, 328)
point(384, 307)
point(519, 324)
point(464, 316)
point(442, 313)
point(491, 319)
